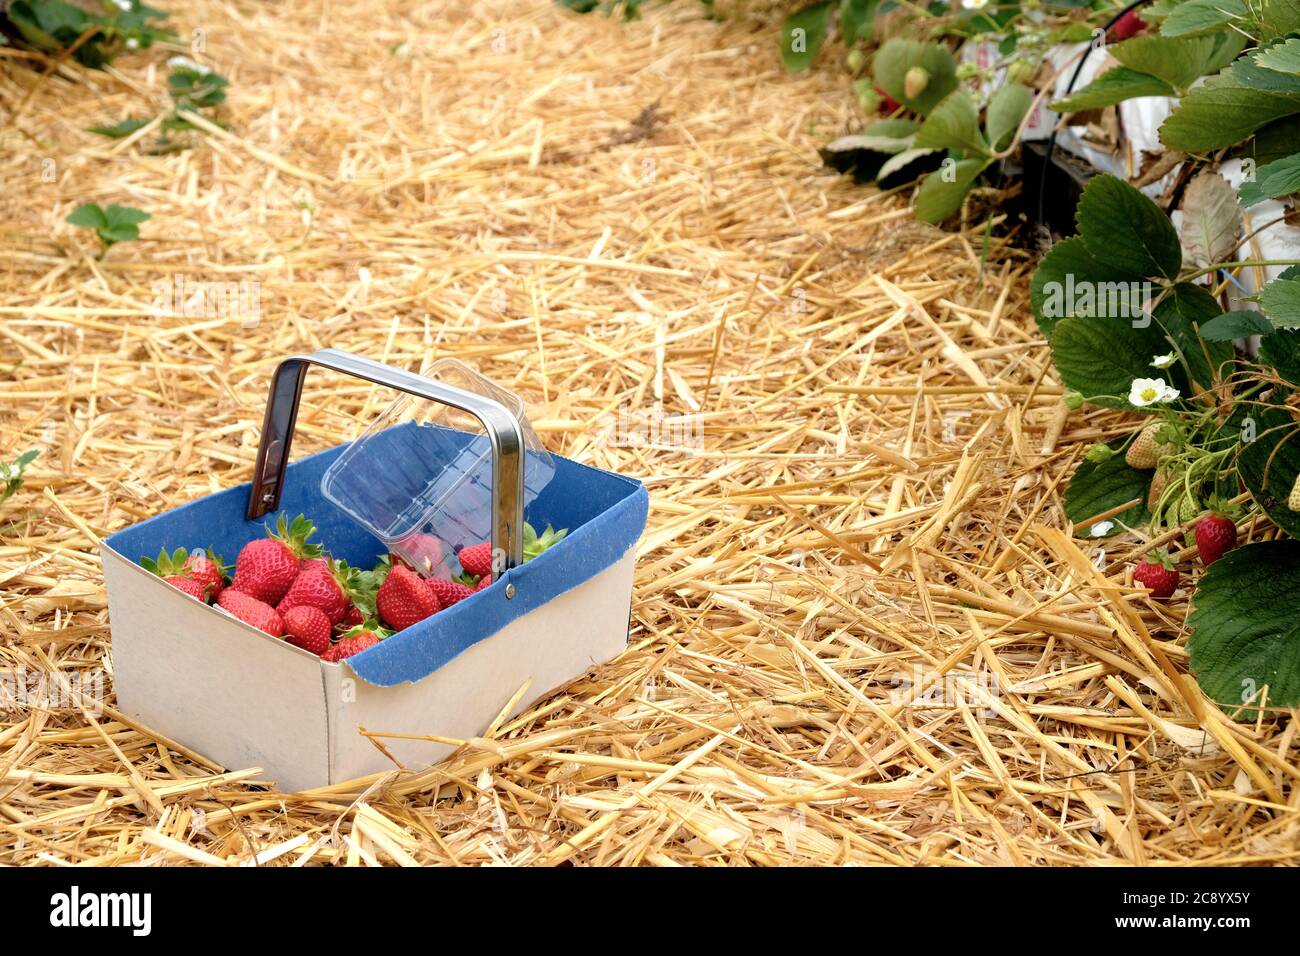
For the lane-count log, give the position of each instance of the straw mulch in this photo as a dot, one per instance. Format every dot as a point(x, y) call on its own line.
point(601, 216)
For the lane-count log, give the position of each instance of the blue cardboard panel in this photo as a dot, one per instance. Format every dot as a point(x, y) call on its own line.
point(604, 512)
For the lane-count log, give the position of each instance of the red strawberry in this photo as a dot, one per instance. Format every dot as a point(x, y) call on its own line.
point(191, 586)
point(403, 599)
point(266, 568)
point(887, 103)
point(1216, 535)
point(484, 582)
point(1130, 24)
point(476, 559)
point(252, 611)
point(320, 584)
point(307, 627)
point(353, 618)
point(423, 552)
point(207, 570)
point(1157, 574)
point(447, 592)
point(353, 643)
point(180, 565)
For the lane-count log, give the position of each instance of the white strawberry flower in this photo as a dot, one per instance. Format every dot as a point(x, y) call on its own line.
point(1162, 361)
point(974, 4)
point(1149, 391)
point(185, 62)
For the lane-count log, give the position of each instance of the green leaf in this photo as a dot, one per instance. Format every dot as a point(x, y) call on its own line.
point(1095, 488)
point(1181, 61)
point(1126, 231)
point(1278, 18)
point(1006, 110)
point(119, 130)
point(1269, 463)
point(1100, 357)
point(1202, 16)
point(938, 198)
point(116, 215)
point(1227, 108)
point(1235, 325)
point(1280, 351)
point(897, 56)
point(196, 89)
point(1179, 313)
point(1278, 178)
point(1244, 631)
point(1280, 301)
point(1284, 57)
point(88, 215)
point(1068, 266)
point(953, 124)
point(1114, 86)
point(802, 36)
point(857, 20)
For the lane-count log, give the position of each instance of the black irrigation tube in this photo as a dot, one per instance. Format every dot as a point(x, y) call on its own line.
point(1051, 142)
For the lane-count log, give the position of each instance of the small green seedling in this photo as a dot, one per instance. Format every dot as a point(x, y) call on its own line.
point(196, 89)
point(112, 225)
point(11, 474)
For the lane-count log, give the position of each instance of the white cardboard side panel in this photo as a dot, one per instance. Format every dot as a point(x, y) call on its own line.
point(551, 646)
point(237, 696)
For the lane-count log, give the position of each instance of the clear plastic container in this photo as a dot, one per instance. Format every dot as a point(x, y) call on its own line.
point(419, 478)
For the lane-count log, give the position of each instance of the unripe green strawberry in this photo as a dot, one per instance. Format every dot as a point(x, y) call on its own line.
point(915, 81)
point(1146, 450)
point(1188, 510)
point(857, 60)
point(1293, 499)
point(1159, 481)
point(1021, 71)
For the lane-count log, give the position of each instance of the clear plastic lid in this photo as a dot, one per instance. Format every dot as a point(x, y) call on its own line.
point(419, 478)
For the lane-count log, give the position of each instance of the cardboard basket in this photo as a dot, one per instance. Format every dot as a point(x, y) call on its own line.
point(245, 699)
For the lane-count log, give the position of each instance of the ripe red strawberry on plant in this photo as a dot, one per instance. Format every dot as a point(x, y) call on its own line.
point(404, 599)
point(252, 611)
point(1157, 574)
point(266, 568)
point(203, 569)
point(307, 627)
point(352, 643)
point(1129, 24)
point(1216, 535)
point(447, 592)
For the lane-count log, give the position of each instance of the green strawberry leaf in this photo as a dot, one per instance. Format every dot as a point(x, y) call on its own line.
point(1114, 86)
point(1069, 266)
point(953, 124)
point(1235, 325)
point(1096, 487)
point(1178, 61)
point(1100, 357)
point(1179, 313)
point(119, 130)
point(1126, 231)
point(1269, 461)
point(1278, 178)
point(89, 215)
point(1280, 300)
point(1227, 108)
point(1244, 632)
point(1006, 110)
point(857, 20)
point(941, 193)
point(802, 36)
point(1202, 16)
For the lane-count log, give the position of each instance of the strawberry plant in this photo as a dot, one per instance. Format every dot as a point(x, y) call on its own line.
point(193, 88)
point(11, 474)
point(56, 26)
point(112, 225)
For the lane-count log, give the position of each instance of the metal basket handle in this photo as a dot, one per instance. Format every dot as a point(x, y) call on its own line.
point(502, 429)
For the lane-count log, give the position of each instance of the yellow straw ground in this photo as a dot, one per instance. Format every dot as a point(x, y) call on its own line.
point(862, 632)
